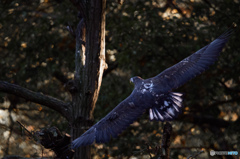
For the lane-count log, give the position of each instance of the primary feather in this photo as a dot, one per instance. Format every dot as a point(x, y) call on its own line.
point(154, 94)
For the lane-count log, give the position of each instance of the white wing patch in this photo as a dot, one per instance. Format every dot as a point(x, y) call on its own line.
point(167, 107)
point(177, 94)
point(143, 91)
point(151, 114)
point(166, 103)
point(147, 87)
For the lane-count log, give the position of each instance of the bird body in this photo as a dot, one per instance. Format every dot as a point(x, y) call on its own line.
point(154, 95)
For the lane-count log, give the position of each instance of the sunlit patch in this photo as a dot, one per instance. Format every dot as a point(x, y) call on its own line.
point(10, 11)
point(24, 45)
point(40, 108)
point(28, 80)
point(43, 64)
point(234, 117)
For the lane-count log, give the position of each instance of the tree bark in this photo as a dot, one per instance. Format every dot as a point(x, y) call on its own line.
point(165, 151)
point(90, 64)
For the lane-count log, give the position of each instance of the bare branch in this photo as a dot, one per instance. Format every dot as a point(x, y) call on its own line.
point(110, 69)
point(51, 102)
point(227, 88)
point(63, 79)
point(22, 126)
point(195, 155)
point(165, 151)
point(149, 151)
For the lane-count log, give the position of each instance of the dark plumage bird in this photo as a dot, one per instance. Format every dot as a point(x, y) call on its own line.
point(154, 95)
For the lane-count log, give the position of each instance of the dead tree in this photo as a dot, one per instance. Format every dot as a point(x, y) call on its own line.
point(89, 68)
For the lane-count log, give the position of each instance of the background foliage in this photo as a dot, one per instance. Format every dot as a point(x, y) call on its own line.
point(143, 38)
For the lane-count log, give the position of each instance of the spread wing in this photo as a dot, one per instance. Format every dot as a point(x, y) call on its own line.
point(191, 66)
point(112, 124)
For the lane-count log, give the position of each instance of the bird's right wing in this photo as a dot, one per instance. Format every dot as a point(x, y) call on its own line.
point(191, 66)
point(112, 124)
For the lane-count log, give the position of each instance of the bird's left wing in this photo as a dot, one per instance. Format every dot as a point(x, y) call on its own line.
point(112, 124)
point(191, 66)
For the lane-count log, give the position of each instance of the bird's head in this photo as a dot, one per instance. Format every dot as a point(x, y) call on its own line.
point(136, 80)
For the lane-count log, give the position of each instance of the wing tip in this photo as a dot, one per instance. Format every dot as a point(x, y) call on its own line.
point(227, 34)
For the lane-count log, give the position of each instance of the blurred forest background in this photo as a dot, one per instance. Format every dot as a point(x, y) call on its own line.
point(142, 38)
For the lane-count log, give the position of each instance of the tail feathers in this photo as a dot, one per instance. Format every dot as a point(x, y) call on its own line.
point(169, 107)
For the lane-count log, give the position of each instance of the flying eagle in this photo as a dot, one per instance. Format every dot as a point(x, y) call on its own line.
point(154, 95)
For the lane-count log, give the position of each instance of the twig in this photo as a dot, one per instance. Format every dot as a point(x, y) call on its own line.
point(148, 150)
point(110, 69)
point(195, 155)
point(189, 148)
point(227, 88)
point(59, 75)
point(165, 151)
point(30, 134)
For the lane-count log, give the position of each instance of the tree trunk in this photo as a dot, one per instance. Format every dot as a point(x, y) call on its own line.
point(90, 64)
